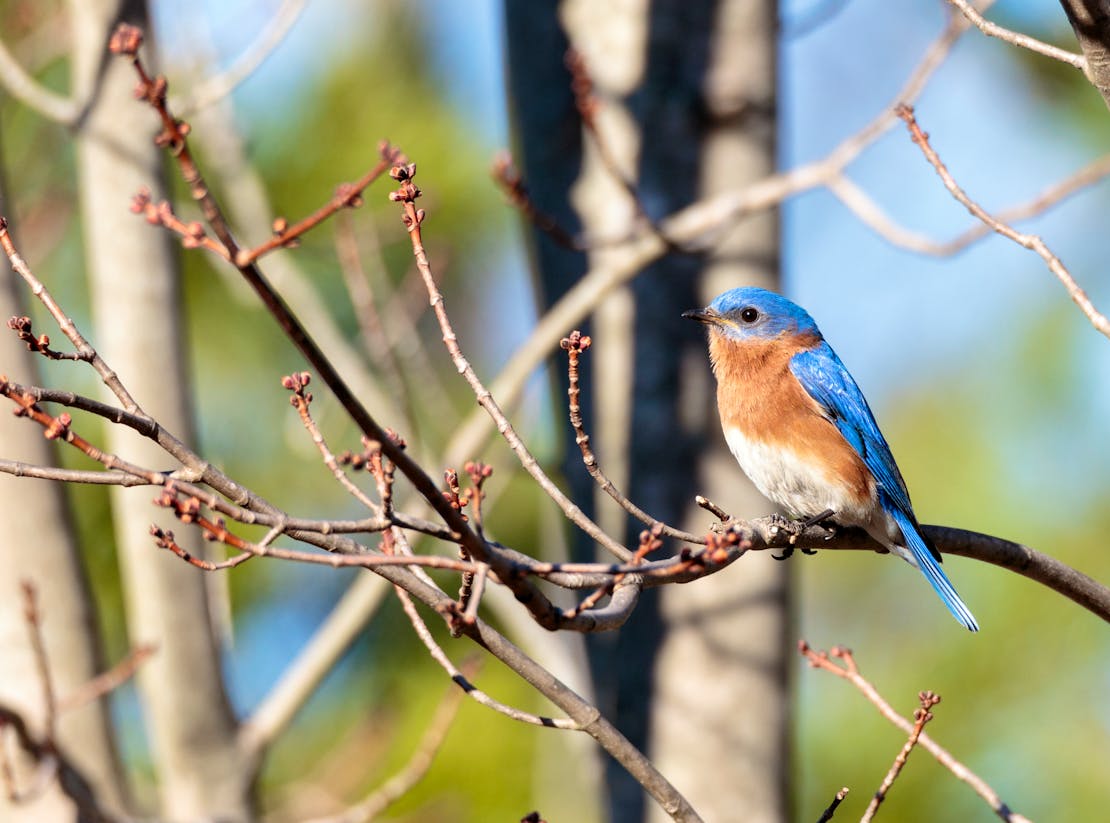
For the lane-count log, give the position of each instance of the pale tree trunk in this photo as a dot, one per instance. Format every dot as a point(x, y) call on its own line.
point(699, 674)
point(720, 709)
point(136, 305)
point(38, 547)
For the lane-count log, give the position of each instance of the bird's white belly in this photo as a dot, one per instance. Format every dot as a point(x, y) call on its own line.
point(799, 486)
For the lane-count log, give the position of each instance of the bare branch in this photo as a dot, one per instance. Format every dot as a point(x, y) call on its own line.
point(463, 683)
point(830, 810)
point(1017, 38)
point(871, 214)
point(1028, 241)
point(850, 672)
point(55, 764)
point(375, 341)
point(575, 345)
point(33, 618)
point(507, 176)
point(692, 226)
point(86, 352)
point(413, 217)
point(24, 88)
point(298, 682)
point(107, 682)
point(273, 34)
point(1090, 20)
point(412, 772)
point(921, 716)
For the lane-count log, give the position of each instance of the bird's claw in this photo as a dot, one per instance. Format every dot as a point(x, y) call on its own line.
point(793, 529)
point(788, 552)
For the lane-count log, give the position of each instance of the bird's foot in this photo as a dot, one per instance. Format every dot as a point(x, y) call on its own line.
point(821, 520)
point(793, 529)
point(788, 552)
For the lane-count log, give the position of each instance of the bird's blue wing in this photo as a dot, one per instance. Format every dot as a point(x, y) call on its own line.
point(825, 379)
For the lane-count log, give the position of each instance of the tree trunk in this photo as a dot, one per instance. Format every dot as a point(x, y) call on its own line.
point(721, 686)
point(136, 305)
point(687, 90)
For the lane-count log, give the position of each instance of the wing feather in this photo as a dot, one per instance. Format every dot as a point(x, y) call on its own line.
point(827, 381)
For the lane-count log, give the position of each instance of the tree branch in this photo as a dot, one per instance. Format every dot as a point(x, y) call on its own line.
point(1090, 20)
point(1017, 38)
point(1028, 241)
point(850, 672)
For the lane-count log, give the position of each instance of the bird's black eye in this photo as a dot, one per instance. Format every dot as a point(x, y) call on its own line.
point(749, 315)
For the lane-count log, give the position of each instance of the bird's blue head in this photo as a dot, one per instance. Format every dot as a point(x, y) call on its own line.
point(751, 313)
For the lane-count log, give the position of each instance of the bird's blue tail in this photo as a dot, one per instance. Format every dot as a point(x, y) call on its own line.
point(932, 571)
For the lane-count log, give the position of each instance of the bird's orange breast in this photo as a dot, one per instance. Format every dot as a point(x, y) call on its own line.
point(759, 397)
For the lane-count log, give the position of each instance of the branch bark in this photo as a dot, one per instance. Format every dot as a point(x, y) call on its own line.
point(1090, 19)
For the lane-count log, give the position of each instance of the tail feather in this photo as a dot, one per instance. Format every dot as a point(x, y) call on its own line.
point(929, 567)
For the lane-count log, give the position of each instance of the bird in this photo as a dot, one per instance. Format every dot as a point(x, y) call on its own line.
point(801, 429)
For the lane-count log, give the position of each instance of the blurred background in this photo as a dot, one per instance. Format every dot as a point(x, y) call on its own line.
point(990, 385)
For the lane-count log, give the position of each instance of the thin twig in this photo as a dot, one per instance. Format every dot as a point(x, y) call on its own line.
point(575, 344)
point(108, 681)
point(921, 716)
point(214, 530)
point(27, 90)
point(413, 771)
point(347, 195)
point(850, 672)
point(463, 682)
point(273, 34)
point(33, 618)
point(126, 42)
point(300, 398)
point(406, 195)
point(863, 206)
point(193, 235)
point(694, 225)
point(587, 104)
point(24, 330)
point(1029, 241)
point(830, 810)
point(507, 176)
point(17, 468)
point(1015, 38)
point(87, 352)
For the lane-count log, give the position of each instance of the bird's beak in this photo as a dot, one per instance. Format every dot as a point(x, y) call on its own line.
point(706, 315)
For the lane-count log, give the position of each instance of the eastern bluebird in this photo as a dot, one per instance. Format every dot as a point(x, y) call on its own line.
point(801, 429)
